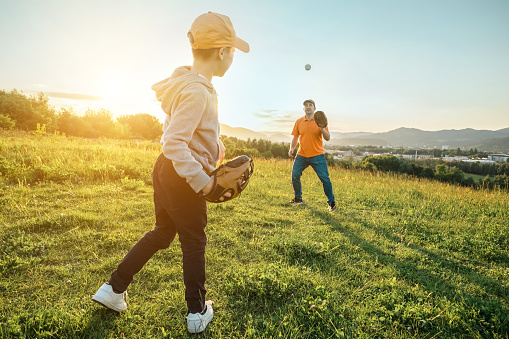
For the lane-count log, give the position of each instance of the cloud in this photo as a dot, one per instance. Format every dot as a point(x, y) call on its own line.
point(277, 115)
point(73, 96)
point(40, 85)
point(276, 119)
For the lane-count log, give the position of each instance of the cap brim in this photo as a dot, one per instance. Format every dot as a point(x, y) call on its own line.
point(241, 45)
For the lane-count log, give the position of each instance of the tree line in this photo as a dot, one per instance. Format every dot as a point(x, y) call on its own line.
point(443, 171)
point(33, 113)
point(254, 147)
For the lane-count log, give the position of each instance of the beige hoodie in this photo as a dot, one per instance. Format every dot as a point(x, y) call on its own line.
point(191, 127)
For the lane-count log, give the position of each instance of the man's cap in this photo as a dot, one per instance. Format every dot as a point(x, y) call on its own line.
point(309, 100)
point(214, 30)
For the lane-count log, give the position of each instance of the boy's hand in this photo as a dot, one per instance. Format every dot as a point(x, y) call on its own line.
point(222, 151)
point(206, 190)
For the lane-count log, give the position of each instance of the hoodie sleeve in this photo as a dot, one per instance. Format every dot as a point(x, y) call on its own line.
point(190, 107)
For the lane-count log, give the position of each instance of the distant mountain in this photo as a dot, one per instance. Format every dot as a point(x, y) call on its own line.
point(244, 134)
point(358, 142)
point(241, 133)
point(412, 137)
point(485, 140)
point(498, 145)
point(456, 138)
point(278, 136)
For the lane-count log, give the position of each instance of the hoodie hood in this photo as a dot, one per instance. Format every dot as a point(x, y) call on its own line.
point(168, 89)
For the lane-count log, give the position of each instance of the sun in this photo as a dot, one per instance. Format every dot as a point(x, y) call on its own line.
point(111, 89)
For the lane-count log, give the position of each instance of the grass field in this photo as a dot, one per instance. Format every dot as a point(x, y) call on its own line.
point(476, 177)
point(402, 257)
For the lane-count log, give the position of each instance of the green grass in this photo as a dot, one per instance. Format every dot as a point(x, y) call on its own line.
point(476, 177)
point(401, 257)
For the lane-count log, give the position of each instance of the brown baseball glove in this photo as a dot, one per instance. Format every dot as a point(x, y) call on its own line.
point(320, 119)
point(231, 177)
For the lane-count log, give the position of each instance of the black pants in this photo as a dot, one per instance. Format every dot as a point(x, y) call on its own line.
point(179, 210)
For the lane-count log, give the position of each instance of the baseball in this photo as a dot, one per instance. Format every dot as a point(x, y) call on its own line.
point(307, 67)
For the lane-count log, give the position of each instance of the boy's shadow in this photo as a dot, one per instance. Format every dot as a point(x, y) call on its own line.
point(101, 324)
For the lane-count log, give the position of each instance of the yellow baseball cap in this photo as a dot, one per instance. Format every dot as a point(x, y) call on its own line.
point(214, 30)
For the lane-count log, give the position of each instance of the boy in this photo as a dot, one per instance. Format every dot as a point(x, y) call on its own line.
point(191, 149)
point(310, 152)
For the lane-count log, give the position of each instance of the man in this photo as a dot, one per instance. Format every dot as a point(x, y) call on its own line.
point(191, 149)
point(311, 153)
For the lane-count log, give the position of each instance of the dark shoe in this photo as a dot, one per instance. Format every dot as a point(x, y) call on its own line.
point(332, 206)
point(296, 201)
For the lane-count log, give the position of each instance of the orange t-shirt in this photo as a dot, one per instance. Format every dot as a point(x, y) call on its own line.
point(311, 143)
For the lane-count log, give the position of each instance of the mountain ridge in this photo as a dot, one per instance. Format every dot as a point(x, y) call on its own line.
point(485, 140)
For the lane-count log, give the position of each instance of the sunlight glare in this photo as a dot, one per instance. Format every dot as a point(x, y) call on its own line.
point(111, 88)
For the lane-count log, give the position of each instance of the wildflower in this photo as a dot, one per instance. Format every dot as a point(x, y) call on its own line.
point(68, 281)
point(291, 295)
point(323, 304)
point(313, 306)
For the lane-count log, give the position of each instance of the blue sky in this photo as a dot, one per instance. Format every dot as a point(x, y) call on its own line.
point(376, 65)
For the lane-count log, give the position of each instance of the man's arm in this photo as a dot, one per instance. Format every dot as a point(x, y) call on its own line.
point(292, 145)
point(326, 134)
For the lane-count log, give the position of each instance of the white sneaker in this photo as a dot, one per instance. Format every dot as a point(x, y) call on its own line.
point(106, 297)
point(197, 322)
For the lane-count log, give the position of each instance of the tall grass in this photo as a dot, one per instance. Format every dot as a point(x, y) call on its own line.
point(401, 257)
point(31, 159)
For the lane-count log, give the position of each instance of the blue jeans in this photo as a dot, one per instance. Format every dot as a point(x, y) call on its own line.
point(319, 165)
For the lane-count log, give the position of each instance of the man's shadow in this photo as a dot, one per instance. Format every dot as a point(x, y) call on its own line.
point(412, 273)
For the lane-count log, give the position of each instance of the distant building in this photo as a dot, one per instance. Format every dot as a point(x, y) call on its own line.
point(458, 158)
point(413, 156)
point(341, 154)
point(498, 157)
point(482, 161)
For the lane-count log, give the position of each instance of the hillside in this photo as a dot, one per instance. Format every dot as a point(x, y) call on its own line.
point(498, 145)
point(401, 257)
point(412, 137)
point(241, 133)
point(244, 134)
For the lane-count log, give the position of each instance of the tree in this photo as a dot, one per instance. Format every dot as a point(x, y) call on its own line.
point(67, 121)
point(142, 126)
point(6, 122)
point(386, 163)
point(427, 173)
point(25, 111)
point(100, 123)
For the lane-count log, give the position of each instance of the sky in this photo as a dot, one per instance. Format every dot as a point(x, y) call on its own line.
point(376, 65)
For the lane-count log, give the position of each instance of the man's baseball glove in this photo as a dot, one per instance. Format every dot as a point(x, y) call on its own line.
point(320, 119)
point(230, 177)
